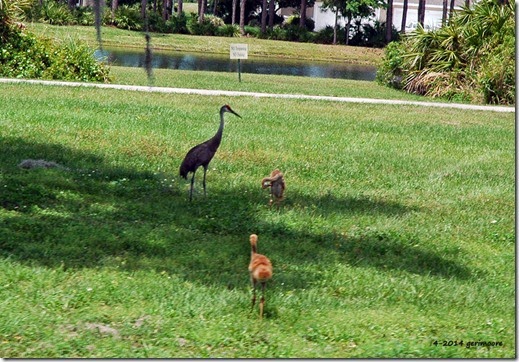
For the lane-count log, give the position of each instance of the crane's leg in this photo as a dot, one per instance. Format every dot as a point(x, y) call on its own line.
point(205, 170)
point(253, 282)
point(191, 189)
point(262, 300)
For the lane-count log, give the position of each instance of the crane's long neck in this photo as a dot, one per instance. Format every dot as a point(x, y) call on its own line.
point(253, 249)
point(217, 138)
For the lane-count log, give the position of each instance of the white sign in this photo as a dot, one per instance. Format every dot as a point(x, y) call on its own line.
point(239, 51)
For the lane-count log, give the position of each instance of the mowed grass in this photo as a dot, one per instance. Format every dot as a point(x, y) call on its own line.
point(211, 44)
point(278, 84)
point(397, 229)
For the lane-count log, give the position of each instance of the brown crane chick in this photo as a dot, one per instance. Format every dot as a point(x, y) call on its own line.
point(260, 269)
point(276, 182)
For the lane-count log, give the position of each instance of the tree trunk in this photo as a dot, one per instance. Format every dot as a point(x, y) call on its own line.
point(71, 4)
point(233, 15)
point(144, 4)
point(165, 12)
point(389, 21)
point(272, 9)
point(264, 11)
point(404, 16)
point(180, 7)
point(201, 11)
point(302, 18)
point(242, 17)
point(451, 8)
point(421, 12)
point(444, 11)
point(335, 26)
point(98, 6)
point(115, 4)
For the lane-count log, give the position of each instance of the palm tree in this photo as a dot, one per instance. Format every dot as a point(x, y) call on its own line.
point(451, 8)
point(444, 12)
point(302, 19)
point(264, 14)
point(11, 11)
point(144, 4)
point(421, 12)
point(404, 16)
point(272, 11)
point(233, 12)
point(389, 21)
point(242, 17)
point(201, 11)
point(334, 6)
point(115, 5)
point(165, 12)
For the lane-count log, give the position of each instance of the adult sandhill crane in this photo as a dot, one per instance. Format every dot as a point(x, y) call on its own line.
point(260, 269)
point(202, 154)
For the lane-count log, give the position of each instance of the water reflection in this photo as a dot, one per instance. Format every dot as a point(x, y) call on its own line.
point(219, 63)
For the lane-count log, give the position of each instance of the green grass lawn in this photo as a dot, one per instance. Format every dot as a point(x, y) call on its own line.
point(281, 84)
point(397, 229)
point(211, 44)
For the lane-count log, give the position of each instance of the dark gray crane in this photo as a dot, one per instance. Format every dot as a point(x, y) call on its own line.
point(202, 154)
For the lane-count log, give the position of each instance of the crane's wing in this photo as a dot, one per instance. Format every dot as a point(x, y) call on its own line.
point(197, 156)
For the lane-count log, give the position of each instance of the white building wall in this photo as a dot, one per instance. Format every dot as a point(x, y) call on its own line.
point(323, 18)
point(433, 16)
point(432, 20)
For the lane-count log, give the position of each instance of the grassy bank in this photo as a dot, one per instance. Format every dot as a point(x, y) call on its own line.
point(397, 230)
point(258, 83)
point(214, 45)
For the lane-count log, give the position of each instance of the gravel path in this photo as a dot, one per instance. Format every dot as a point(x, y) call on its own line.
point(207, 92)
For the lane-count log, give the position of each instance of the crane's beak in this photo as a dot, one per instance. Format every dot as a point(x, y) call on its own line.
point(233, 112)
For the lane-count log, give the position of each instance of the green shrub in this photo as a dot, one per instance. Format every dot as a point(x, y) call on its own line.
point(177, 24)
point(372, 35)
point(295, 19)
point(214, 20)
point(156, 23)
point(471, 58)
point(24, 55)
point(228, 30)
point(325, 35)
point(252, 30)
point(55, 13)
point(390, 70)
point(84, 15)
point(276, 33)
point(295, 33)
point(128, 17)
point(74, 60)
point(209, 26)
point(497, 75)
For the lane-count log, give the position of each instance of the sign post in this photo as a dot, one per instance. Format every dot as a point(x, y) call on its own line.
point(239, 51)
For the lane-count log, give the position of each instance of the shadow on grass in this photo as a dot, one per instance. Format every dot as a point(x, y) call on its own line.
point(95, 215)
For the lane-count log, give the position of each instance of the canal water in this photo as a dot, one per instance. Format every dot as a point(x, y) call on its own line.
point(219, 63)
